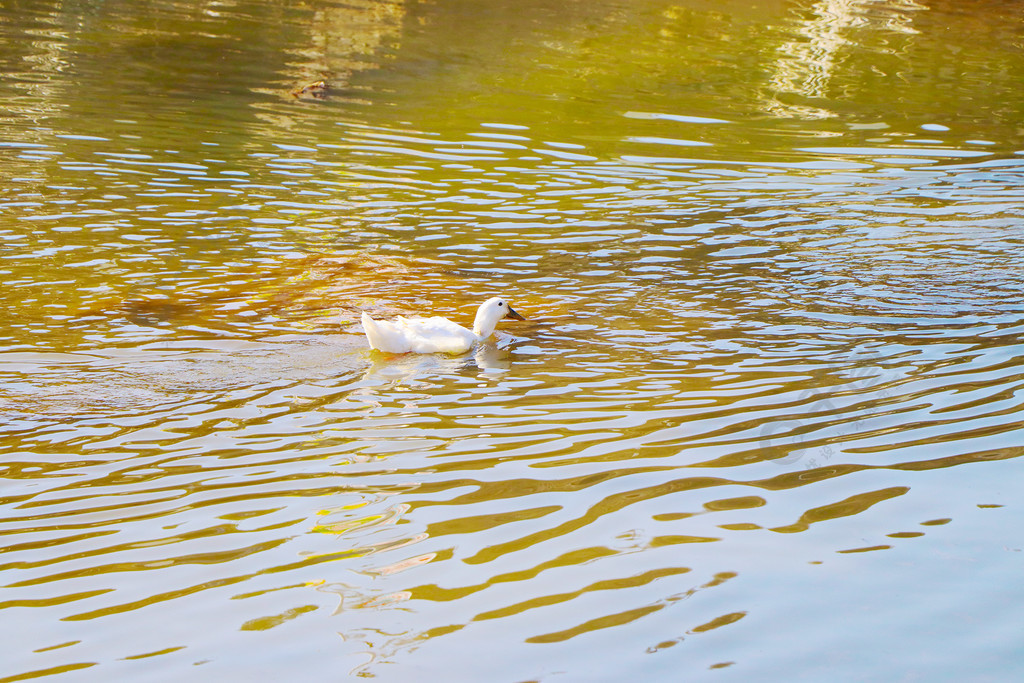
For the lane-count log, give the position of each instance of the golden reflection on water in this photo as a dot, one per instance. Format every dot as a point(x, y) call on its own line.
point(806, 66)
point(762, 419)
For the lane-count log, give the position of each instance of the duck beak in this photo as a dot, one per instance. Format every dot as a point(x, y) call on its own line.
point(512, 314)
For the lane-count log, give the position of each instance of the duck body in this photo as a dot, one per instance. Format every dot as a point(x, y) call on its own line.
point(418, 335)
point(436, 334)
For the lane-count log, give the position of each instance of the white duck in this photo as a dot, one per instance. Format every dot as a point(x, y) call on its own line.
point(436, 335)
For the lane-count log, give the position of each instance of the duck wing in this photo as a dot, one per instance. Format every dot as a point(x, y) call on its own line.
point(436, 335)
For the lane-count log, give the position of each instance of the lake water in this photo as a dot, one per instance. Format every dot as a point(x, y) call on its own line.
point(762, 422)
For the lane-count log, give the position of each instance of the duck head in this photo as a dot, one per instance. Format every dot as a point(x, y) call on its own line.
point(490, 312)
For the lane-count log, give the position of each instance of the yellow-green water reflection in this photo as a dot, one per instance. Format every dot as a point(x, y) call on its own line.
point(762, 422)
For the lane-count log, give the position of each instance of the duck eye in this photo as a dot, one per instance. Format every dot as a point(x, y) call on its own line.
point(501, 303)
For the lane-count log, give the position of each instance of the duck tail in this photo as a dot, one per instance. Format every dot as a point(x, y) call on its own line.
point(373, 335)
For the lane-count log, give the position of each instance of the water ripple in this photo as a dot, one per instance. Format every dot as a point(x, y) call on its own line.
point(765, 357)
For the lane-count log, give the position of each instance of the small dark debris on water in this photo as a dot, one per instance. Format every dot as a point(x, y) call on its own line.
point(318, 90)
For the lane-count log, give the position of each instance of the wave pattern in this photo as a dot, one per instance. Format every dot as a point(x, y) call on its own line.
point(741, 381)
point(719, 368)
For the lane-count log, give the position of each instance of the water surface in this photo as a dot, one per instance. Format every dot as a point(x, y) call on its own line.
point(761, 423)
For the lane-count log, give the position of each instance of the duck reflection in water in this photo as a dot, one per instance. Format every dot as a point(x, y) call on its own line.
point(487, 356)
